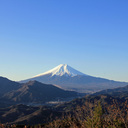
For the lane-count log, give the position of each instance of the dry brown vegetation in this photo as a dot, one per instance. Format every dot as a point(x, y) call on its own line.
point(90, 115)
point(95, 116)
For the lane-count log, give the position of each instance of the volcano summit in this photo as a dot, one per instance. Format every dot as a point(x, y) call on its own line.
point(62, 69)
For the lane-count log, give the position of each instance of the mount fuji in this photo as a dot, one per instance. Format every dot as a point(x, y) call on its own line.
point(62, 69)
point(68, 78)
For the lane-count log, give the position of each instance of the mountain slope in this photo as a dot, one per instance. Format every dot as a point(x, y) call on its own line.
point(68, 78)
point(121, 92)
point(7, 85)
point(36, 92)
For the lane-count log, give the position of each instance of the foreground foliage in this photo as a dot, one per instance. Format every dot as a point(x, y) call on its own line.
point(89, 115)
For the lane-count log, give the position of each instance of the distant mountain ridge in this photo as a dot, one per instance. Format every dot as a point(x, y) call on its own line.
point(32, 92)
point(36, 92)
point(69, 78)
point(116, 92)
point(7, 85)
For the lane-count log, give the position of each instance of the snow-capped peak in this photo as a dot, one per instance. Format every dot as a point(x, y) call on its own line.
point(62, 69)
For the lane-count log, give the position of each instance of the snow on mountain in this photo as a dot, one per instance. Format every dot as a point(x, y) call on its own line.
point(62, 69)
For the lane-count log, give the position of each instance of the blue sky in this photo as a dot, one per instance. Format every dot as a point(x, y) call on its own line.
point(89, 35)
